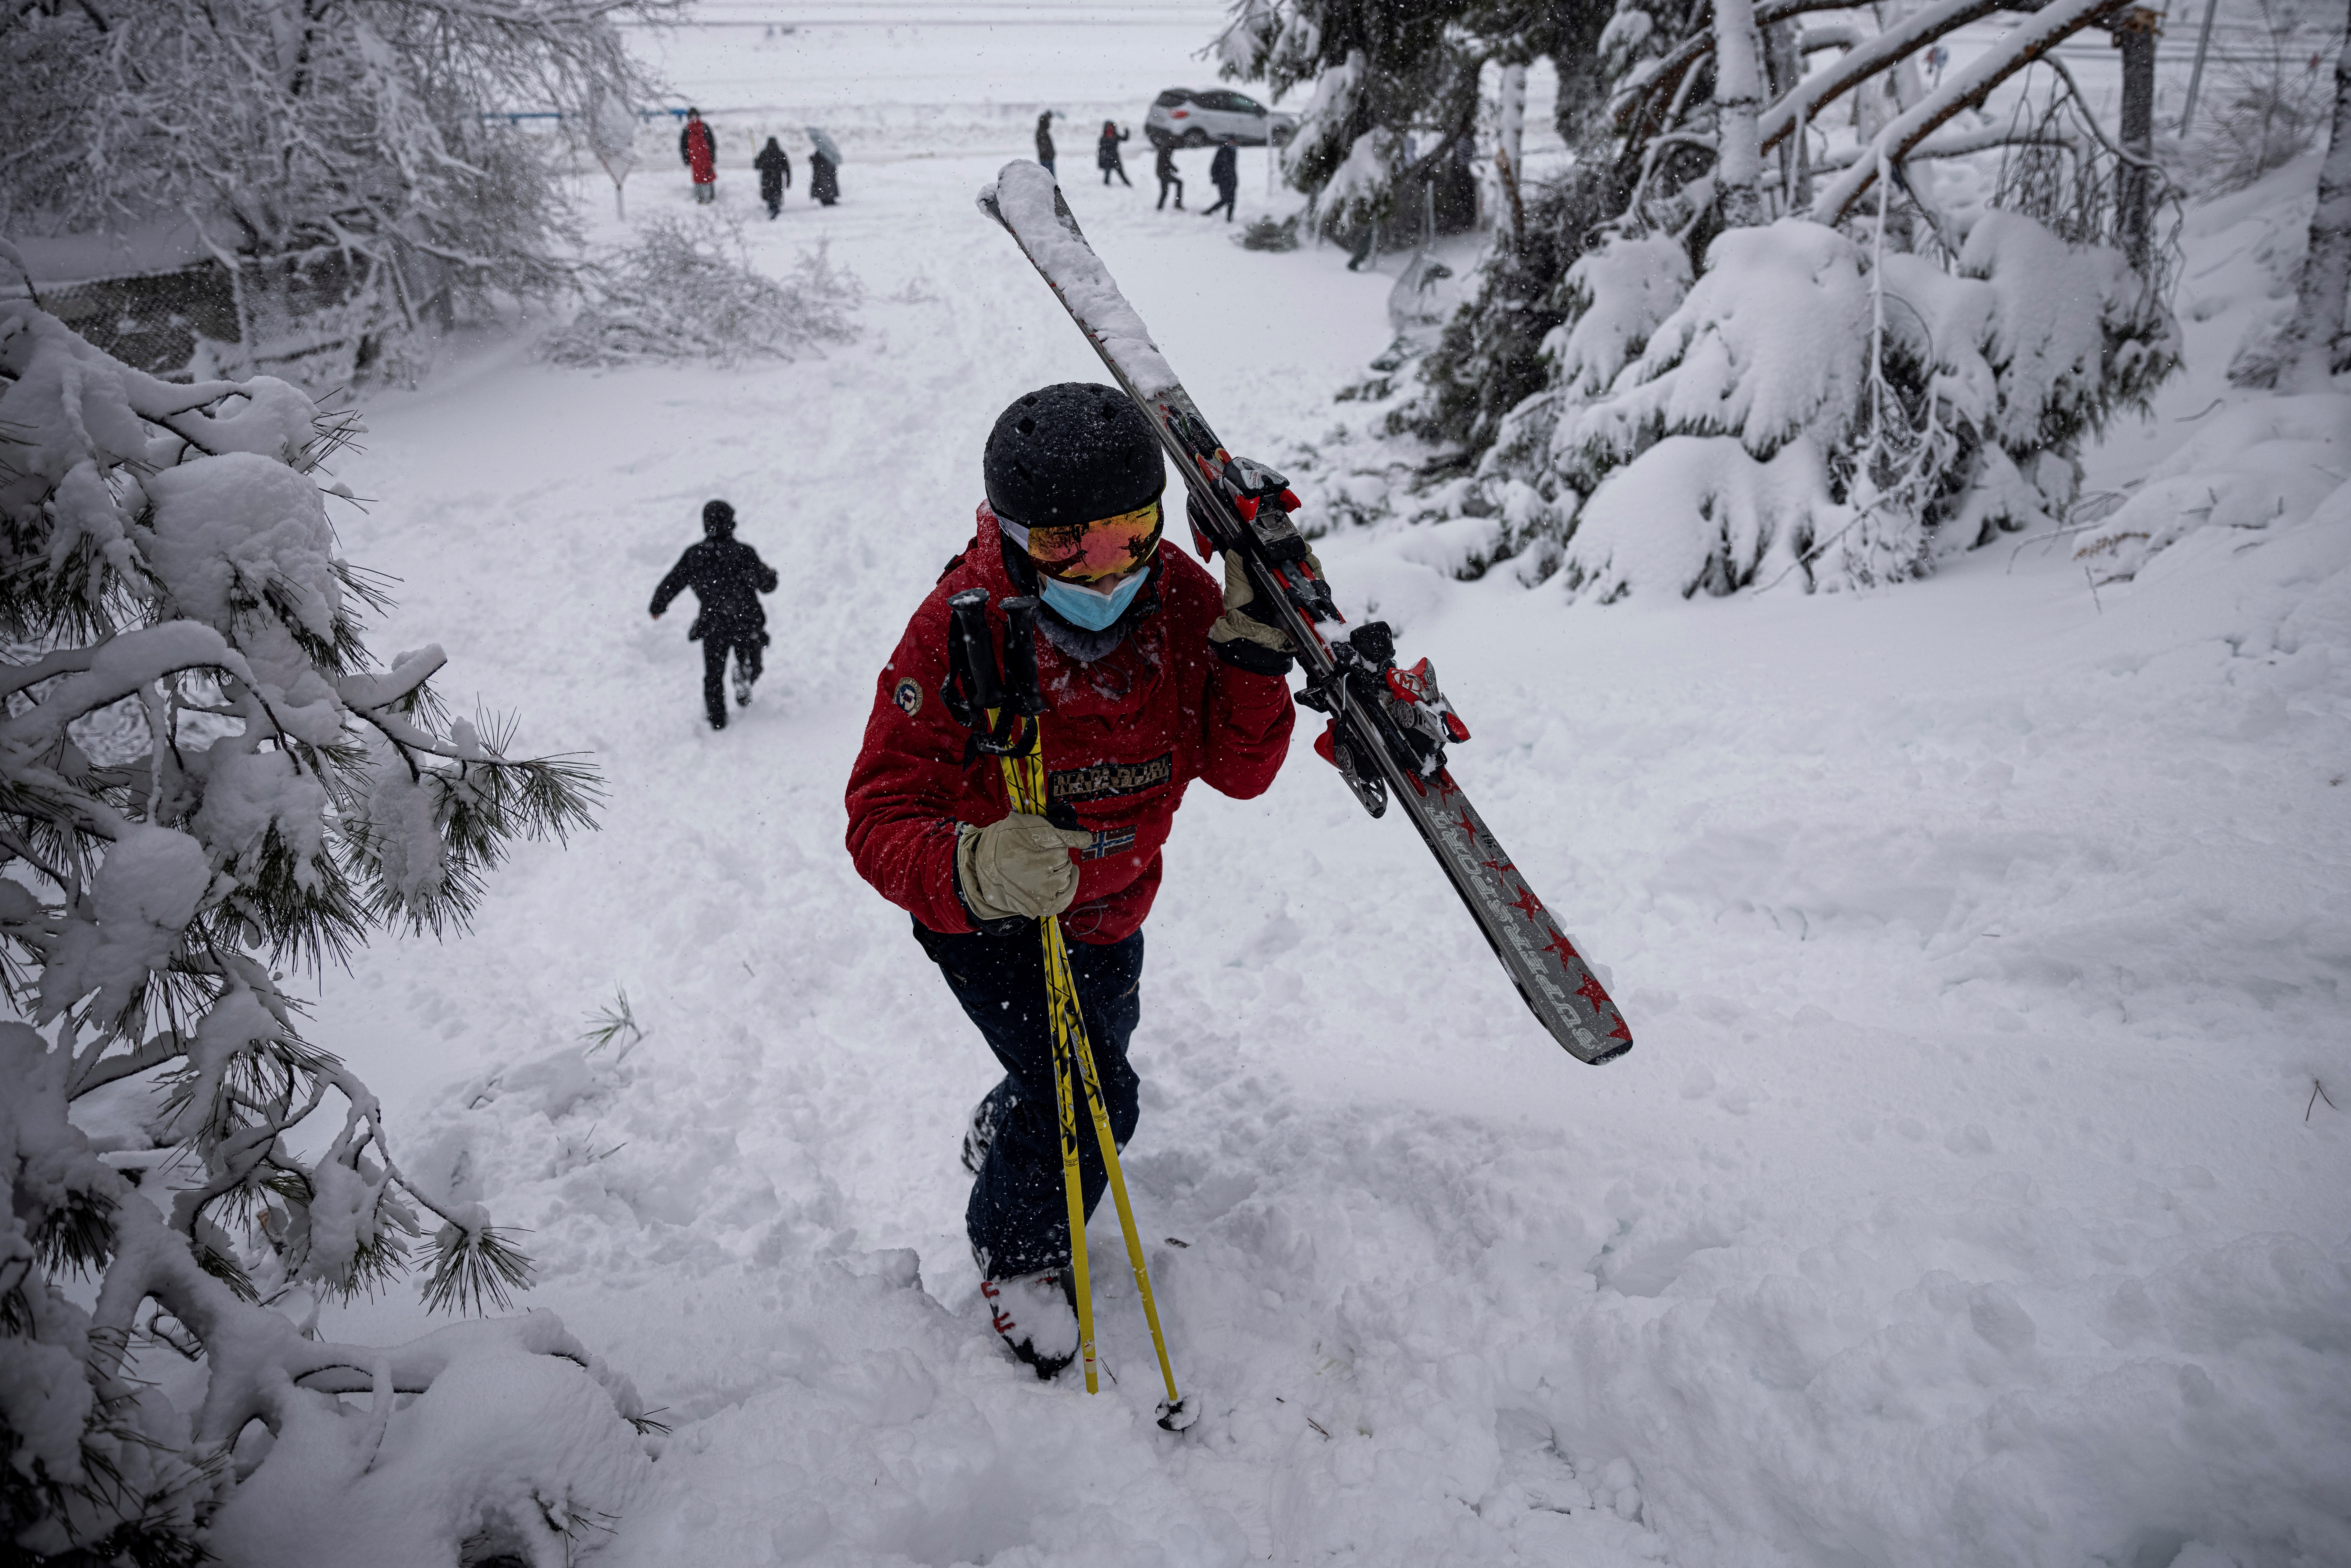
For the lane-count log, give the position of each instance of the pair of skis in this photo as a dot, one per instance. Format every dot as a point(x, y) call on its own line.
point(1388, 727)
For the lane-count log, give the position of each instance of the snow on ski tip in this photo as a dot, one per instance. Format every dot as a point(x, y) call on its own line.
point(1024, 198)
point(1350, 680)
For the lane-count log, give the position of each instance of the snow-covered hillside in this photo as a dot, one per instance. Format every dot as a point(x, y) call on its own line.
point(1965, 1200)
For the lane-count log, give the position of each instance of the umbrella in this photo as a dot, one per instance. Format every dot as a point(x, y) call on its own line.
point(824, 145)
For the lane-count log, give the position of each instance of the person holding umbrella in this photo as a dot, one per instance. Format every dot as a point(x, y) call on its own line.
point(824, 183)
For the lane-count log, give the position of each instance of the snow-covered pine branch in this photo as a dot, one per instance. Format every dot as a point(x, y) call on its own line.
point(169, 546)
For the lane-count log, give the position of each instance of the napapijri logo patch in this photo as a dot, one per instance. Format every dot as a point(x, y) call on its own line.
point(1105, 779)
point(908, 696)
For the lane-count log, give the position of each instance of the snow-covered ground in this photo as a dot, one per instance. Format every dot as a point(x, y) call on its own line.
point(1965, 1200)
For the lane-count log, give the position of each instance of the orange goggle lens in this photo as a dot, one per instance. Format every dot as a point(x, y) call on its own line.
point(1088, 552)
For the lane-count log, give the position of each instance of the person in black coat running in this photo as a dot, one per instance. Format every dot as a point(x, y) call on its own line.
point(1224, 173)
point(1165, 167)
point(774, 166)
point(727, 578)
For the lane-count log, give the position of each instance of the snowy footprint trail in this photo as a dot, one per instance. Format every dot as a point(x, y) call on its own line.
point(1982, 943)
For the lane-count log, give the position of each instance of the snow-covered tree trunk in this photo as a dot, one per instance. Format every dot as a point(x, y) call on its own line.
point(1739, 99)
point(2306, 353)
point(1510, 136)
point(2135, 36)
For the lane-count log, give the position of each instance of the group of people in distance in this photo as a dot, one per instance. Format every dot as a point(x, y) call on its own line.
point(698, 149)
point(1224, 169)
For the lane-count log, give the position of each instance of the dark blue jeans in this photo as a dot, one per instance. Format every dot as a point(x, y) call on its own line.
point(1019, 1217)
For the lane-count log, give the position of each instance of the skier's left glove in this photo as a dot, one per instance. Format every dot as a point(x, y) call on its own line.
point(1017, 867)
point(1246, 635)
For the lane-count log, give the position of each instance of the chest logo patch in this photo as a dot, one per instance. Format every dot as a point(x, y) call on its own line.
point(1104, 780)
point(908, 696)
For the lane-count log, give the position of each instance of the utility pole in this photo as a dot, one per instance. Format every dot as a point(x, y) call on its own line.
point(2135, 34)
point(2196, 73)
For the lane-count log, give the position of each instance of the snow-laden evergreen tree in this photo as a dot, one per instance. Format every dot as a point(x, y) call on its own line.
point(1745, 350)
point(332, 153)
point(1387, 77)
point(1395, 88)
point(209, 782)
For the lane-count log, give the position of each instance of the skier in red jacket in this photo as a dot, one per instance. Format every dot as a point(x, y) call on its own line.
point(698, 149)
point(1151, 678)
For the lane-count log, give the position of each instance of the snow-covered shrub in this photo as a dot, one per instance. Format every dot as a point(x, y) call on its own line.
point(1808, 405)
point(685, 289)
point(169, 545)
point(1267, 233)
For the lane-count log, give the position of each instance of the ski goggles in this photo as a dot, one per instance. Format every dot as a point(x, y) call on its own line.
point(1088, 552)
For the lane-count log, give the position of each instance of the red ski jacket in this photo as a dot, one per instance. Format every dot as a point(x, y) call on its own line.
point(701, 149)
point(1124, 737)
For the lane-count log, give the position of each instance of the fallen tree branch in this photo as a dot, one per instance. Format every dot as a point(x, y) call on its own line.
point(1965, 89)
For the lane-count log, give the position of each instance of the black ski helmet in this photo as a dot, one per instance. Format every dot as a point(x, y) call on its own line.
point(1072, 453)
point(718, 519)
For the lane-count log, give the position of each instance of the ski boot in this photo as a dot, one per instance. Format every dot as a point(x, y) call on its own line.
point(1038, 1316)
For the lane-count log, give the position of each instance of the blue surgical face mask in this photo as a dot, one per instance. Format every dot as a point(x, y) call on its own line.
point(1083, 606)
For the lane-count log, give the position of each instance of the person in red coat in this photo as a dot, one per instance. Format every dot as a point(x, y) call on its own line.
point(1154, 678)
point(698, 149)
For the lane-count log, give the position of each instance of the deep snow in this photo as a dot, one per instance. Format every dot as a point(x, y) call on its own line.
point(1983, 940)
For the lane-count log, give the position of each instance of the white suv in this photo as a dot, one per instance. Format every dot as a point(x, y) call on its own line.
point(1188, 116)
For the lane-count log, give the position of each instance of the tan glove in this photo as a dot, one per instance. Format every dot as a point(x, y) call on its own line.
point(1020, 865)
point(1234, 625)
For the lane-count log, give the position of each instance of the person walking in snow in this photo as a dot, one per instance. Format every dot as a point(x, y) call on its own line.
point(1154, 678)
point(727, 578)
point(1045, 140)
point(1224, 173)
point(1106, 153)
point(1164, 165)
point(698, 149)
point(824, 167)
point(774, 166)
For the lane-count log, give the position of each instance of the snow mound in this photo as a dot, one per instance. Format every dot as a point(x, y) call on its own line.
point(2261, 464)
point(519, 1447)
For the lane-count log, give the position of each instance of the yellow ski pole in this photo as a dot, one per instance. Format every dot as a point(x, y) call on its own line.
point(1067, 1022)
point(1024, 785)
